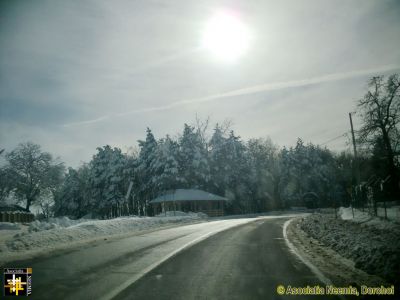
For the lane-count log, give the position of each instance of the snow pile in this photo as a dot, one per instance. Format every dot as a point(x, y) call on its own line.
point(60, 233)
point(54, 223)
point(373, 248)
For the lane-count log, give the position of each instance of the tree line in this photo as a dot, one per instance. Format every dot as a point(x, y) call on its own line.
point(255, 175)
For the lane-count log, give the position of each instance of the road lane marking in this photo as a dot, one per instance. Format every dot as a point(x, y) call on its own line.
point(139, 275)
point(293, 249)
point(135, 277)
point(304, 260)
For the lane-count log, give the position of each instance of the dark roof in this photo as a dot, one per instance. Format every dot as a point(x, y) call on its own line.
point(187, 195)
point(12, 207)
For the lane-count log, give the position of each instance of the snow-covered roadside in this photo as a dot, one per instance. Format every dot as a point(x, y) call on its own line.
point(364, 217)
point(19, 241)
point(373, 245)
point(338, 269)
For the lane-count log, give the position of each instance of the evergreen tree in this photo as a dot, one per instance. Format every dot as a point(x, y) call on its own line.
point(145, 164)
point(107, 181)
point(165, 166)
point(69, 197)
point(311, 177)
point(193, 159)
point(265, 174)
point(218, 162)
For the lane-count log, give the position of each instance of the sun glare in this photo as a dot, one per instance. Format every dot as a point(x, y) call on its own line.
point(226, 36)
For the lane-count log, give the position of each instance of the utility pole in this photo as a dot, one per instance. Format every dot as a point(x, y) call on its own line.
point(356, 166)
point(355, 150)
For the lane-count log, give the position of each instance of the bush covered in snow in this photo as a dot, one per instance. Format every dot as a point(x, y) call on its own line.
point(374, 249)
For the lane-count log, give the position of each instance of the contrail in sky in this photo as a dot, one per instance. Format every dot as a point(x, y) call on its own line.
point(248, 91)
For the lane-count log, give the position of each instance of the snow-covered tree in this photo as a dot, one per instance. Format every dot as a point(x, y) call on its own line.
point(69, 197)
point(255, 176)
point(311, 177)
point(6, 185)
point(265, 174)
point(145, 162)
point(165, 166)
point(193, 159)
point(238, 174)
point(107, 180)
point(218, 155)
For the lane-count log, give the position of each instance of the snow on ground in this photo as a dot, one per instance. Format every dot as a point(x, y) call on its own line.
point(20, 240)
point(393, 213)
point(363, 217)
point(182, 214)
point(338, 269)
point(346, 213)
point(373, 244)
point(9, 226)
point(54, 223)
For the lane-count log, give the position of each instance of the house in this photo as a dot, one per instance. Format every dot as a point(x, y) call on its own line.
point(192, 200)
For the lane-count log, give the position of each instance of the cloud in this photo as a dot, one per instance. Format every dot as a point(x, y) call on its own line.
point(248, 91)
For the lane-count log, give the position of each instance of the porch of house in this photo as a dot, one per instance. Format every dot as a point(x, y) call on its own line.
point(212, 208)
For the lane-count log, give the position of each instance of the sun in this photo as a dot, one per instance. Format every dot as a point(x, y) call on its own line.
point(226, 36)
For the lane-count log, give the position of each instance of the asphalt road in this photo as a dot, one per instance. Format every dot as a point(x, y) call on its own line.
point(245, 262)
point(101, 269)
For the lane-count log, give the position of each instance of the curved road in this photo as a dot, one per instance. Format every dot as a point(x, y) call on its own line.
point(225, 259)
point(245, 262)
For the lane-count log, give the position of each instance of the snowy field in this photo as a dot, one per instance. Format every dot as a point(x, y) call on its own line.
point(393, 213)
point(19, 241)
point(363, 216)
point(372, 244)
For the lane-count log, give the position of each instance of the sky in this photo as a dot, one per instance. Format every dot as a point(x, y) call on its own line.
point(76, 75)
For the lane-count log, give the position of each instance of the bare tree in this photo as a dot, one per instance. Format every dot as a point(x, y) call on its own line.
point(226, 126)
point(202, 128)
point(32, 172)
point(380, 109)
point(5, 187)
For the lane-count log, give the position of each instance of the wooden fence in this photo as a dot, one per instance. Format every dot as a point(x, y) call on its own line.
point(16, 217)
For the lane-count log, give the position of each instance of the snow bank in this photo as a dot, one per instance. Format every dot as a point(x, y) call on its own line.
point(9, 226)
point(373, 247)
point(59, 233)
point(180, 213)
point(54, 223)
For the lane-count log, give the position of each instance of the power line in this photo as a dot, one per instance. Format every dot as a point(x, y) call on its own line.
point(334, 139)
